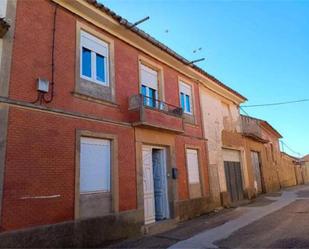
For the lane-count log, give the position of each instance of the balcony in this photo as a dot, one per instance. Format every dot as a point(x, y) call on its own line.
point(156, 114)
point(251, 127)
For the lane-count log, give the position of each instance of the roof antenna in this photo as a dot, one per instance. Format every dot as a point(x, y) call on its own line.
point(139, 22)
point(198, 60)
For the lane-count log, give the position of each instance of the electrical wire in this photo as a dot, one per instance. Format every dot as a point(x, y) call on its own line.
point(52, 59)
point(291, 150)
point(282, 143)
point(278, 103)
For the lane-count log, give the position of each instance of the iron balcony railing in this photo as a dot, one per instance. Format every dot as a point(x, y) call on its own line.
point(137, 101)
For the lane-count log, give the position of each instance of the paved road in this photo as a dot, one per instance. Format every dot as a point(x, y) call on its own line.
point(279, 220)
point(283, 223)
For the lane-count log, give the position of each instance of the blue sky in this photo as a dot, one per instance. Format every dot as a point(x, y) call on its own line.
point(259, 48)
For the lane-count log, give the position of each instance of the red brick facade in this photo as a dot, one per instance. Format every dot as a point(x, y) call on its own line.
point(41, 144)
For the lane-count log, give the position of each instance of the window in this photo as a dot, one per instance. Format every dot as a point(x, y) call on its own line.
point(95, 165)
point(185, 95)
point(149, 85)
point(94, 59)
point(192, 164)
point(195, 190)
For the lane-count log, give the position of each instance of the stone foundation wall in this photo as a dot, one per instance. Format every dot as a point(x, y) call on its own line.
point(188, 209)
point(79, 233)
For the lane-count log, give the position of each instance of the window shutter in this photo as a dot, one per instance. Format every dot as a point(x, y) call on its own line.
point(95, 165)
point(149, 77)
point(94, 44)
point(193, 168)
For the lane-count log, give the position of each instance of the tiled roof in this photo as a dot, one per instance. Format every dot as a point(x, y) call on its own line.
point(160, 45)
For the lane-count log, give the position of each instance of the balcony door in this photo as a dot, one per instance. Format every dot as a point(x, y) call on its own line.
point(149, 85)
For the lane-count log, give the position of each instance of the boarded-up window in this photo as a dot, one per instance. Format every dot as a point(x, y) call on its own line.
point(193, 173)
point(192, 162)
point(95, 172)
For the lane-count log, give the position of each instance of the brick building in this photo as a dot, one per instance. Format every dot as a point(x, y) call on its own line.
point(101, 125)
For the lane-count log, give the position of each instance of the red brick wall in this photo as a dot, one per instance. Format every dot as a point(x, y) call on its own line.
point(40, 156)
point(32, 59)
point(40, 161)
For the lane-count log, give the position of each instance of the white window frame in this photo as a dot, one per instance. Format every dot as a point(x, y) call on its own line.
point(186, 89)
point(96, 46)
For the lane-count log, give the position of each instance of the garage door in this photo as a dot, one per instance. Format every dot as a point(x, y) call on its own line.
point(233, 174)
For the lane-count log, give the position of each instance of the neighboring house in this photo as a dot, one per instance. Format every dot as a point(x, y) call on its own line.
point(100, 120)
point(244, 153)
point(261, 142)
point(296, 162)
point(306, 158)
point(305, 167)
point(288, 171)
point(222, 129)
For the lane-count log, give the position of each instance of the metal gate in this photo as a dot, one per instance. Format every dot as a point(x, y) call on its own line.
point(234, 180)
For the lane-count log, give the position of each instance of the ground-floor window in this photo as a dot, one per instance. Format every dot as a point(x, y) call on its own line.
point(95, 168)
point(193, 173)
point(95, 177)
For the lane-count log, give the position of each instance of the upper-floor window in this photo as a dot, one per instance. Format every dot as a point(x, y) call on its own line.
point(149, 85)
point(94, 59)
point(185, 94)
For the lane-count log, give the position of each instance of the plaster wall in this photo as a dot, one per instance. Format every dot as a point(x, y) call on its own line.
point(219, 116)
point(306, 172)
point(299, 174)
point(269, 175)
point(287, 172)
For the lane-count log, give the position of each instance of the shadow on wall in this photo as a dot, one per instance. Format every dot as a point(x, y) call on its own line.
point(99, 231)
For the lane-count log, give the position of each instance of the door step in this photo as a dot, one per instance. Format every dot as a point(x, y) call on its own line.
point(159, 226)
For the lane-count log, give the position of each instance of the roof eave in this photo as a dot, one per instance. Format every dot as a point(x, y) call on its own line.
point(122, 21)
